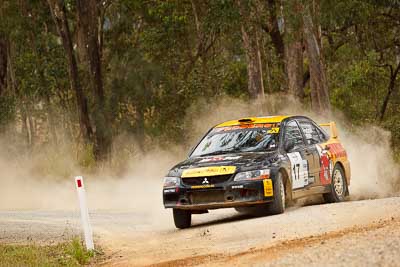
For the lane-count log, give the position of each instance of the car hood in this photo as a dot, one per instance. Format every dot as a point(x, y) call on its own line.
point(242, 161)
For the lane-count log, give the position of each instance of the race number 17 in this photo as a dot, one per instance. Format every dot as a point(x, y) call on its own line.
point(296, 171)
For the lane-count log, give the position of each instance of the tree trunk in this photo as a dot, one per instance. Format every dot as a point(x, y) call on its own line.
point(253, 55)
point(12, 81)
point(319, 85)
point(24, 126)
point(294, 52)
point(59, 15)
point(31, 131)
point(277, 41)
point(3, 64)
point(294, 66)
point(88, 18)
point(391, 88)
point(273, 31)
point(139, 127)
point(51, 121)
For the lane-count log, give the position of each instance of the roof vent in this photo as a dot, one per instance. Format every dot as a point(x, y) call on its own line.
point(246, 120)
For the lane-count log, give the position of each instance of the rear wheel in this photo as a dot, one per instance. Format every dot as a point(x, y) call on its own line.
point(278, 206)
point(338, 186)
point(182, 218)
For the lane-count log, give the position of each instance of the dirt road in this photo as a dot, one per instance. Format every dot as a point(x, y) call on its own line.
point(359, 233)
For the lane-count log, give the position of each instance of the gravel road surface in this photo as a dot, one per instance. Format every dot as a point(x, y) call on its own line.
point(356, 233)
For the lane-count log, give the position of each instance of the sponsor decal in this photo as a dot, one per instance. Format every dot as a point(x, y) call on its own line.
point(208, 171)
point(337, 150)
point(326, 165)
point(299, 170)
point(237, 186)
point(248, 125)
point(211, 159)
point(274, 130)
point(268, 190)
point(202, 186)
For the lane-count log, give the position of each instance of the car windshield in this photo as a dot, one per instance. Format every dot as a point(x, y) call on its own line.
point(237, 139)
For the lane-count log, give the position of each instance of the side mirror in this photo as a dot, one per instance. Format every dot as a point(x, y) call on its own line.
point(289, 145)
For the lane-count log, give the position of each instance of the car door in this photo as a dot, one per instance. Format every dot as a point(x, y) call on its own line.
point(312, 139)
point(300, 161)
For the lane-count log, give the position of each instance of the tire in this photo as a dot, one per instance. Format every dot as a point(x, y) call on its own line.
point(278, 206)
point(242, 209)
point(338, 186)
point(182, 218)
point(252, 210)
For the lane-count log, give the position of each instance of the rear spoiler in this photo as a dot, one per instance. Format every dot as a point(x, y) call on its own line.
point(332, 128)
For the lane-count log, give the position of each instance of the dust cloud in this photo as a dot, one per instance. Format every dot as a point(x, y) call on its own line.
point(139, 189)
point(35, 181)
point(375, 174)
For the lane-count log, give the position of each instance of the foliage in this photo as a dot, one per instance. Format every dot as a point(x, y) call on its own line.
point(160, 57)
point(76, 250)
point(65, 254)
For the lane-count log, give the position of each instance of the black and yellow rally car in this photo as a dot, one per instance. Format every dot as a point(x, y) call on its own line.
point(258, 163)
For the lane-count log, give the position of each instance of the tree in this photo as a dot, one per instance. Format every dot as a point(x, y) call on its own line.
point(59, 14)
point(390, 89)
point(251, 45)
point(319, 84)
point(3, 63)
point(294, 50)
point(96, 70)
point(88, 17)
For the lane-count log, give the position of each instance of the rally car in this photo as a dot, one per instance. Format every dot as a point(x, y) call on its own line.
point(259, 163)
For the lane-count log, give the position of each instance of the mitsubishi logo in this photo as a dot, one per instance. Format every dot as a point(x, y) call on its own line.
point(205, 181)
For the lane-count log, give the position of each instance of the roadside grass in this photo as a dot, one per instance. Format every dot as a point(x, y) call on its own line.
point(70, 253)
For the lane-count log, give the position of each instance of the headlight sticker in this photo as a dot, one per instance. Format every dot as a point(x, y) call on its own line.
point(171, 181)
point(252, 175)
point(170, 190)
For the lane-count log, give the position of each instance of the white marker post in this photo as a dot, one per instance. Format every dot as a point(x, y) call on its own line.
point(87, 229)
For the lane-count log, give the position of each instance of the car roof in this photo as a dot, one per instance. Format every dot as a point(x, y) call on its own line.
point(268, 119)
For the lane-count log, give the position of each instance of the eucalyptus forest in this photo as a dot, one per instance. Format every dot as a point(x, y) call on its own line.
point(89, 70)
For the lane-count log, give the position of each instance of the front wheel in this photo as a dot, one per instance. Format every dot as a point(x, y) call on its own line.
point(182, 218)
point(338, 186)
point(278, 206)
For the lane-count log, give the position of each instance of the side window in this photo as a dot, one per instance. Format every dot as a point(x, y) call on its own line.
point(311, 132)
point(323, 135)
point(292, 132)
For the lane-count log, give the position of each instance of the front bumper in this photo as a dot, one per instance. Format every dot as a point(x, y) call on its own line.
point(230, 194)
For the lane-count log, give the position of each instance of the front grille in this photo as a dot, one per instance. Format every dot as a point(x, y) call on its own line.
point(207, 197)
point(211, 180)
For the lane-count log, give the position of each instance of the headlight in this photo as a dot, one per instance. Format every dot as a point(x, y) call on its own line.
point(252, 175)
point(171, 181)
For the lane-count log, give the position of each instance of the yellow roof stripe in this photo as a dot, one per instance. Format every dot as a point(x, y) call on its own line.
point(270, 119)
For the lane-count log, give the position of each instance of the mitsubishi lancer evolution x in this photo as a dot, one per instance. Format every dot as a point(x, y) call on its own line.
point(260, 163)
